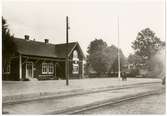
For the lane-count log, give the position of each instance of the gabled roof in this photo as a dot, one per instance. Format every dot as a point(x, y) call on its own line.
point(60, 49)
point(36, 48)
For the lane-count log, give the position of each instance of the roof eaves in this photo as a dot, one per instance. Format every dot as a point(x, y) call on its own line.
point(42, 56)
point(81, 51)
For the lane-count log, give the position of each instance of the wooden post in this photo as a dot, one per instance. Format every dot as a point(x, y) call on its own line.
point(119, 69)
point(55, 70)
point(67, 62)
point(20, 67)
point(82, 69)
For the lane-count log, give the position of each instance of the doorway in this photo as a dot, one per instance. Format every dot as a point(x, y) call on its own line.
point(29, 70)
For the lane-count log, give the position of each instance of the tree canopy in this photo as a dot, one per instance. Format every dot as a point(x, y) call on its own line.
point(95, 57)
point(148, 51)
point(134, 59)
point(112, 56)
point(96, 45)
point(8, 46)
point(103, 58)
point(146, 44)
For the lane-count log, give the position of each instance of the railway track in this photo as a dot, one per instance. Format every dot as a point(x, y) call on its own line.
point(80, 109)
point(98, 90)
point(111, 102)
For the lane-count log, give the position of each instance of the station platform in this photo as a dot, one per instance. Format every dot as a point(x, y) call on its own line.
point(19, 91)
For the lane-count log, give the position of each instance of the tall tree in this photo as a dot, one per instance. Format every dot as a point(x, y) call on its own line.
point(136, 62)
point(114, 66)
point(134, 59)
point(157, 62)
point(103, 58)
point(8, 46)
point(96, 45)
point(99, 62)
point(95, 58)
point(146, 44)
point(111, 53)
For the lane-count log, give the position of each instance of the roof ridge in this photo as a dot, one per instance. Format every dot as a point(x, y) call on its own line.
point(65, 43)
point(33, 41)
point(37, 48)
point(43, 42)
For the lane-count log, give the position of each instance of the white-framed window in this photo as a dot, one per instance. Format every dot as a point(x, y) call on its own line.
point(75, 69)
point(50, 68)
point(44, 68)
point(47, 68)
point(7, 68)
point(75, 55)
point(75, 62)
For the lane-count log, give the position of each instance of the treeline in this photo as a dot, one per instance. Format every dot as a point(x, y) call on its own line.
point(147, 60)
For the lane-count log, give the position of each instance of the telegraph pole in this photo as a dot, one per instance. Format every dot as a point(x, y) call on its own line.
point(67, 62)
point(119, 72)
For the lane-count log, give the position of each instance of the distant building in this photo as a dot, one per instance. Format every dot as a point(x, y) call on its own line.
point(36, 60)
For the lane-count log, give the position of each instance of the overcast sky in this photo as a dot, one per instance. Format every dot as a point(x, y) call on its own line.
point(91, 19)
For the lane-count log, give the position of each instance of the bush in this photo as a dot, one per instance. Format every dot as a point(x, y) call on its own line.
point(26, 79)
point(163, 80)
point(46, 77)
point(133, 73)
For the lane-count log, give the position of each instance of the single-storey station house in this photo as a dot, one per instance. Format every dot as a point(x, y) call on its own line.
point(36, 60)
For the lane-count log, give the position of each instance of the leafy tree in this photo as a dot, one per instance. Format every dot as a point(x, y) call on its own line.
point(112, 57)
point(96, 45)
point(157, 62)
point(134, 59)
point(114, 66)
point(146, 44)
point(96, 58)
point(111, 52)
point(103, 59)
point(99, 62)
point(8, 46)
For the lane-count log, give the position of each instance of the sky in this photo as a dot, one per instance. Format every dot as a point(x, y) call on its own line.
point(45, 19)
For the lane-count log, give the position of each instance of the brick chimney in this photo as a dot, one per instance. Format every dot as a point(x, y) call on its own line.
point(46, 41)
point(26, 37)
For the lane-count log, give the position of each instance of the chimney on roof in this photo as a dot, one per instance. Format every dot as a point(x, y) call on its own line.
point(26, 37)
point(46, 41)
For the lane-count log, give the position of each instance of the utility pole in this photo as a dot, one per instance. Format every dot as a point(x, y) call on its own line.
point(67, 61)
point(119, 72)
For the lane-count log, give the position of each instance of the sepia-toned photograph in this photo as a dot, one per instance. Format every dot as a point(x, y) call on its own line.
point(83, 57)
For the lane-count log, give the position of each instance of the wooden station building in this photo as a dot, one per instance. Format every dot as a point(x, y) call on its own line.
point(36, 60)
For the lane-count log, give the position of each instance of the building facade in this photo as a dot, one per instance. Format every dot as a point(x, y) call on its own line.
point(36, 60)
